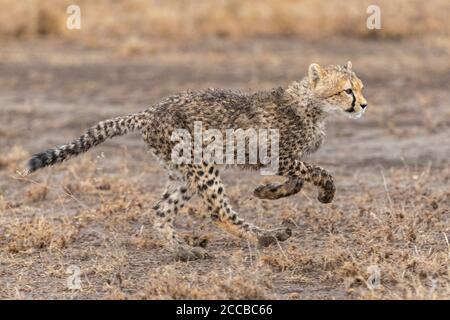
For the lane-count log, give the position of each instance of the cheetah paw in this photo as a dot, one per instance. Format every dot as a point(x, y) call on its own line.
point(326, 193)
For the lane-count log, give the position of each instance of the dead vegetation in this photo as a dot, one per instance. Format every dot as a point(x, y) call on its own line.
point(397, 232)
point(239, 283)
point(11, 159)
point(133, 21)
point(37, 233)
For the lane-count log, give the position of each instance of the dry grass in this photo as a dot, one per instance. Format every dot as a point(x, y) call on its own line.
point(37, 233)
point(400, 229)
point(11, 160)
point(407, 240)
point(134, 20)
point(240, 283)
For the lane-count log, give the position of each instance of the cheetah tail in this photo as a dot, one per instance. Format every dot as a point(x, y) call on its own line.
point(93, 136)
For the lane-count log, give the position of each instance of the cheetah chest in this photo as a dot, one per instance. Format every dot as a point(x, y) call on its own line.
point(314, 137)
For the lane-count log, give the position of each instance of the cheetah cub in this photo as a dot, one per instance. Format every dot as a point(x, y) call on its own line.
point(298, 112)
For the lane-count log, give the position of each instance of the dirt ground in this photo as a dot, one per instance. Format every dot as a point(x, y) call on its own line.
point(390, 220)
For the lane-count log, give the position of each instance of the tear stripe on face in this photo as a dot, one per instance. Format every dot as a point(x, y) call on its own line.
point(353, 101)
point(351, 109)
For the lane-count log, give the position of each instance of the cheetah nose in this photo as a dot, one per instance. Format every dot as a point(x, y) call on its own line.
point(364, 105)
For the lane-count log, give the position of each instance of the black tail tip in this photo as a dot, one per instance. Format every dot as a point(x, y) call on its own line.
point(36, 162)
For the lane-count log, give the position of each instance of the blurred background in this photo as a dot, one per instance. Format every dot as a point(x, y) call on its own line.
point(176, 20)
point(391, 166)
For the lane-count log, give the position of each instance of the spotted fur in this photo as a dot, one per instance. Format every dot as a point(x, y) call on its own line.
point(93, 136)
point(298, 112)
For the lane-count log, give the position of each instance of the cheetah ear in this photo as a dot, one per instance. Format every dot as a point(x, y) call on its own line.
point(315, 73)
point(349, 65)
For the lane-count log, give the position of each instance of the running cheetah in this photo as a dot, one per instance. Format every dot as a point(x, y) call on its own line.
point(298, 112)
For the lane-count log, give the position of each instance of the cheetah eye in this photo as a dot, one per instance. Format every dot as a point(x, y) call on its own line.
point(348, 91)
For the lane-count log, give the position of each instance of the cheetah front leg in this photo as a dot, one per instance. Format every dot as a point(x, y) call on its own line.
point(273, 191)
point(212, 191)
point(311, 173)
point(297, 171)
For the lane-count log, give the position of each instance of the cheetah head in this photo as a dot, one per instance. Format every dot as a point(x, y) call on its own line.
point(337, 89)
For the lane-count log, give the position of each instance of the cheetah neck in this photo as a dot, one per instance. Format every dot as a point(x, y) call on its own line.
point(306, 120)
point(300, 99)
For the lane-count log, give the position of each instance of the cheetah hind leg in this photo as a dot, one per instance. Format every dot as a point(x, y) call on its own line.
point(175, 197)
point(273, 191)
